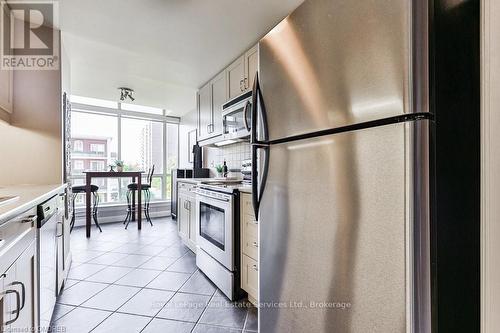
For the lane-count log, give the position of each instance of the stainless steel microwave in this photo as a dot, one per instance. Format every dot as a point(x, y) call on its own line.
point(236, 117)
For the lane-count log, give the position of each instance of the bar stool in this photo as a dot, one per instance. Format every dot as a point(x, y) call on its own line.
point(79, 190)
point(147, 198)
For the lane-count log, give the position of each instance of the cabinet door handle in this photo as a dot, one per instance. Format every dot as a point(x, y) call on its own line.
point(208, 129)
point(246, 83)
point(255, 244)
point(62, 225)
point(23, 293)
point(29, 219)
point(255, 268)
point(17, 310)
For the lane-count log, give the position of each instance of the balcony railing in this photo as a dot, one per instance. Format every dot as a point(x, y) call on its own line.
point(89, 153)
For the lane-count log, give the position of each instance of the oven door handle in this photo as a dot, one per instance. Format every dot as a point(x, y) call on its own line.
point(208, 196)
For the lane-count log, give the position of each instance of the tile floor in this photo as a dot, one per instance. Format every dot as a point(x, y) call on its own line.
point(143, 281)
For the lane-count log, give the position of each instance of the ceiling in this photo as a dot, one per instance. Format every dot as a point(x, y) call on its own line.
point(163, 49)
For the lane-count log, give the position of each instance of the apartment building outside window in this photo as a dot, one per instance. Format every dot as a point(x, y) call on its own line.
point(78, 145)
point(101, 135)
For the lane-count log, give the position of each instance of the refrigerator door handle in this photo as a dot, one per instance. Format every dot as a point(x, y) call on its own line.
point(256, 102)
point(258, 191)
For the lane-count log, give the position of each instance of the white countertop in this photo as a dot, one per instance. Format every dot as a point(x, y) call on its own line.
point(29, 197)
point(193, 180)
point(196, 181)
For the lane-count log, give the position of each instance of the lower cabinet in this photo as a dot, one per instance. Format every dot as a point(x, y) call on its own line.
point(183, 216)
point(249, 249)
point(18, 300)
point(186, 215)
point(250, 277)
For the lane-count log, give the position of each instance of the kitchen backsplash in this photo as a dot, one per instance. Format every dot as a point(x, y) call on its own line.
point(233, 155)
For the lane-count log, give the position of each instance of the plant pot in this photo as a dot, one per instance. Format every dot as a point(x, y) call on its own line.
point(219, 175)
point(119, 169)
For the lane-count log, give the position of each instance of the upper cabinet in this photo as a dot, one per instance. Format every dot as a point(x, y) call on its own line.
point(219, 97)
point(205, 111)
point(236, 77)
point(210, 99)
point(6, 87)
point(251, 67)
point(233, 81)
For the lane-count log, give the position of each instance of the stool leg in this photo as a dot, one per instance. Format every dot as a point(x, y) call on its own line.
point(128, 208)
point(94, 210)
point(146, 211)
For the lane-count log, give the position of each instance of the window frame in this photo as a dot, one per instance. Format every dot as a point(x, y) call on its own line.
point(119, 113)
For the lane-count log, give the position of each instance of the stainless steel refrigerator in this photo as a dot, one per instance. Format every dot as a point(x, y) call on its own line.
point(340, 137)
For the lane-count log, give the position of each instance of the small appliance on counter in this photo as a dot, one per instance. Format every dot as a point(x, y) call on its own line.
point(184, 173)
point(246, 171)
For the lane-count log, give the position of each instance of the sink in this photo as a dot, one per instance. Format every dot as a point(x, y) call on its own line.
point(7, 199)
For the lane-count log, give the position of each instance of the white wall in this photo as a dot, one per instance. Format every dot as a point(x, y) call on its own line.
point(31, 147)
point(188, 123)
point(233, 155)
point(490, 172)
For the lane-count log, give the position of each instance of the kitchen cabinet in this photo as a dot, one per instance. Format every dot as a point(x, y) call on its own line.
point(233, 81)
point(236, 77)
point(66, 232)
point(18, 300)
point(249, 248)
point(60, 241)
point(205, 111)
point(6, 86)
point(219, 97)
point(241, 73)
point(251, 67)
point(186, 215)
point(192, 224)
point(25, 283)
point(183, 217)
point(211, 97)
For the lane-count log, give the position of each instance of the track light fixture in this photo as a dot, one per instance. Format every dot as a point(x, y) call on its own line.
point(126, 93)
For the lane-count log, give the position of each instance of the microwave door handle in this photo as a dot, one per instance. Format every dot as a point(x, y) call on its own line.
point(245, 113)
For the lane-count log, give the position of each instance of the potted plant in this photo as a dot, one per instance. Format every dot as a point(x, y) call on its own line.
point(119, 165)
point(219, 168)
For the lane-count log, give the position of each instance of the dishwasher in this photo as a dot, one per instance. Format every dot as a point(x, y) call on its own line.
point(49, 230)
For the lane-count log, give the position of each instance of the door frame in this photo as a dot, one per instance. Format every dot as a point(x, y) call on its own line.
point(490, 163)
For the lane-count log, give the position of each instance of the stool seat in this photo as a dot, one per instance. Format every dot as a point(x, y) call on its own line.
point(134, 186)
point(81, 189)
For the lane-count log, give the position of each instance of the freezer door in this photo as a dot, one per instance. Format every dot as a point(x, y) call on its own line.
point(334, 63)
point(335, 234)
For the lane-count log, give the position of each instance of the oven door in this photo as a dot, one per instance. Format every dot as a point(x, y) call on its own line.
point(215, 228)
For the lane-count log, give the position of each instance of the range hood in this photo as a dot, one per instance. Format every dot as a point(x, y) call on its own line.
point(222, 140)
